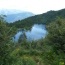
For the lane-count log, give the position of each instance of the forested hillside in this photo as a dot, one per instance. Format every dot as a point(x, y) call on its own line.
point(47, 51)
point(44, 18)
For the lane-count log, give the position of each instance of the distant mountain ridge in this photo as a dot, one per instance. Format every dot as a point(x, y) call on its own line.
point(15, 15)
point(44, 18)
point(10, 11)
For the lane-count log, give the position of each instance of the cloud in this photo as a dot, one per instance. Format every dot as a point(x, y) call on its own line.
point(35, 6)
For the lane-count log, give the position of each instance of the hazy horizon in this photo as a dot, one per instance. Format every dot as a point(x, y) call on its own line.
point(34, 6)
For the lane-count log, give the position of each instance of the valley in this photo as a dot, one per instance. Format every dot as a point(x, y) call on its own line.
point(28, 39)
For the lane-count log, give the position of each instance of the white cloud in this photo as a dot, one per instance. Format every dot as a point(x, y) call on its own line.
point(35, 6)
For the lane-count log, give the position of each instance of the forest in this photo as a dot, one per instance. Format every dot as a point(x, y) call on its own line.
point(47, 51)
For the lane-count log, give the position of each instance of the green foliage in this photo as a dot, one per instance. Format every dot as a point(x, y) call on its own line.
point(6, 34)
point(44, 18)
point(47, 51)
point(51, 58)
point(56, 34)
point(55, 39)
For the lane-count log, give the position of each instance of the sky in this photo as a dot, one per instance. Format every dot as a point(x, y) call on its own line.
point(34, 6)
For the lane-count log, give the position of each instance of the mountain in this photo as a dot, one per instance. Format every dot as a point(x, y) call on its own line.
point(44, 18)
point(15, 15)
point(10, 11)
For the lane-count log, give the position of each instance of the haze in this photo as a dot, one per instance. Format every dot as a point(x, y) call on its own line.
point(34, 6)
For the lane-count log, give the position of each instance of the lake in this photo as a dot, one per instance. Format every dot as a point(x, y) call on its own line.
point(37, 32)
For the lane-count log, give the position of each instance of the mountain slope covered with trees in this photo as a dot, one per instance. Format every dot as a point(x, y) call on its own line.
point(47, 51)
point(44, 18)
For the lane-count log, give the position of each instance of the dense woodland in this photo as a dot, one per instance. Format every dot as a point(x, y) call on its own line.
point(44, 18)
point(47, 51)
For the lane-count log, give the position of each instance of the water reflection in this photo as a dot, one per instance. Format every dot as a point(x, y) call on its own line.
point(36, 32)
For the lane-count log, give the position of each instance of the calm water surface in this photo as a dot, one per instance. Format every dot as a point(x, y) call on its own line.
point(37, 32)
